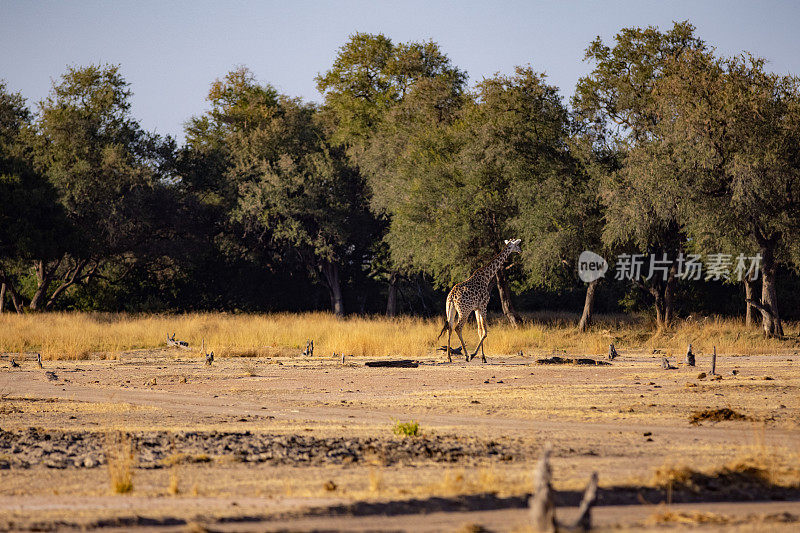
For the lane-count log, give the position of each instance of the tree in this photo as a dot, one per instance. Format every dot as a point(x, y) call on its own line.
point(32, 223)
point(106, 172)
point(281, 193)
point(370, 75)
point(370, 78)
point(459, 171)
point(735, 130)
point(561, 216)
point(617, 101)
point(312, 204)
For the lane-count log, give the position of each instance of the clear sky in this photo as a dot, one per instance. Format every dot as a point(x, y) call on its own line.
point(170, 51)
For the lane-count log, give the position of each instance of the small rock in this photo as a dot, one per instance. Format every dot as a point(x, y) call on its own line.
point(330, 486)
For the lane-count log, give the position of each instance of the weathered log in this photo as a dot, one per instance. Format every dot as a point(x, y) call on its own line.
point(541, 506)
point(584, 520)
point(454, 351)
point(556, 360)
point(397, 363)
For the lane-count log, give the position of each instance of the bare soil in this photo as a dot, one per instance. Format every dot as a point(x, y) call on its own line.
point(306, 444)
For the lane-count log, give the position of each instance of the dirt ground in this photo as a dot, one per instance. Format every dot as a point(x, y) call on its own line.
point(307, 444)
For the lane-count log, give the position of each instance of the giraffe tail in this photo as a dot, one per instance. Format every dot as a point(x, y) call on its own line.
point(448, 317)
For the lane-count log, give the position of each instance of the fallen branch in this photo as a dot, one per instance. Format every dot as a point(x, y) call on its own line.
point(398, 363)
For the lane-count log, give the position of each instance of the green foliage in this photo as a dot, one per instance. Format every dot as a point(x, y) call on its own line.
point(404, 178)
point(464, 169)
point(407, 429)
point(371, 74)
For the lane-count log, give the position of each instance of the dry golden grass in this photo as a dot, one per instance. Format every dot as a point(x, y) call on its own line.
point(667, 516)
point(758, 466)
point(120, 459)
point(174, 482)
point(84, 335)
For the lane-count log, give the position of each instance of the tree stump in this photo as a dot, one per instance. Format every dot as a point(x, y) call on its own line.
point(541, 506)
point(612, 351)
point(714, 362)
point(689, 356)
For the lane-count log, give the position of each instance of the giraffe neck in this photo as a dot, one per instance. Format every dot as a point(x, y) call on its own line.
point(487, 272)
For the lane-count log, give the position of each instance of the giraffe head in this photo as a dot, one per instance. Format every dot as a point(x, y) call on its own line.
point(513, 245)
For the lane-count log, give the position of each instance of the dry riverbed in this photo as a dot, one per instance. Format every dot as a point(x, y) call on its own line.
point(308, 443)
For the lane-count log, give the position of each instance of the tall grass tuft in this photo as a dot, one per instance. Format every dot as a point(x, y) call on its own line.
point(120, 459)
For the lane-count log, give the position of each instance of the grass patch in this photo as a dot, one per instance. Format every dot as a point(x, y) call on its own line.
point(754, 474)
point(407, 429)
point(688, 518)
point(715, 415)
point(74, 335)
point(120, 459)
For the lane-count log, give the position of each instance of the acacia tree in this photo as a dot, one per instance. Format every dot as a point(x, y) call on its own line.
point(561, 216)
point(460, 167)
point(735, 130)
point(617, 101)
point(369, 79)
point(32, 224)
point(106, 171)
point(276, 182)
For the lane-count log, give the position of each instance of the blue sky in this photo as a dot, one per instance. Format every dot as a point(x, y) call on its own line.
point(171, 51)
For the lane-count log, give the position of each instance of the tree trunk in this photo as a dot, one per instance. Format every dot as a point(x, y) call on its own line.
point(391, 300)
point(8, 286)
point(331, 273)
point(588, 307)
point(769, 295)
point(2, 296)
point(749, 294)
point(669, 295)
point(16, 300)
point(505, 299)
point(43, 279)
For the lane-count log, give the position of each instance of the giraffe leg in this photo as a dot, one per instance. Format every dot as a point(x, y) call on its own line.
point(480, 318)
point(458, 332)
point(449, 334)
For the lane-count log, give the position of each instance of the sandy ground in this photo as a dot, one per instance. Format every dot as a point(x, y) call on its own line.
point(483, 427)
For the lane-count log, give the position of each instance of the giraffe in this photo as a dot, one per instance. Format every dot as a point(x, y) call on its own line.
point(473, 295)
